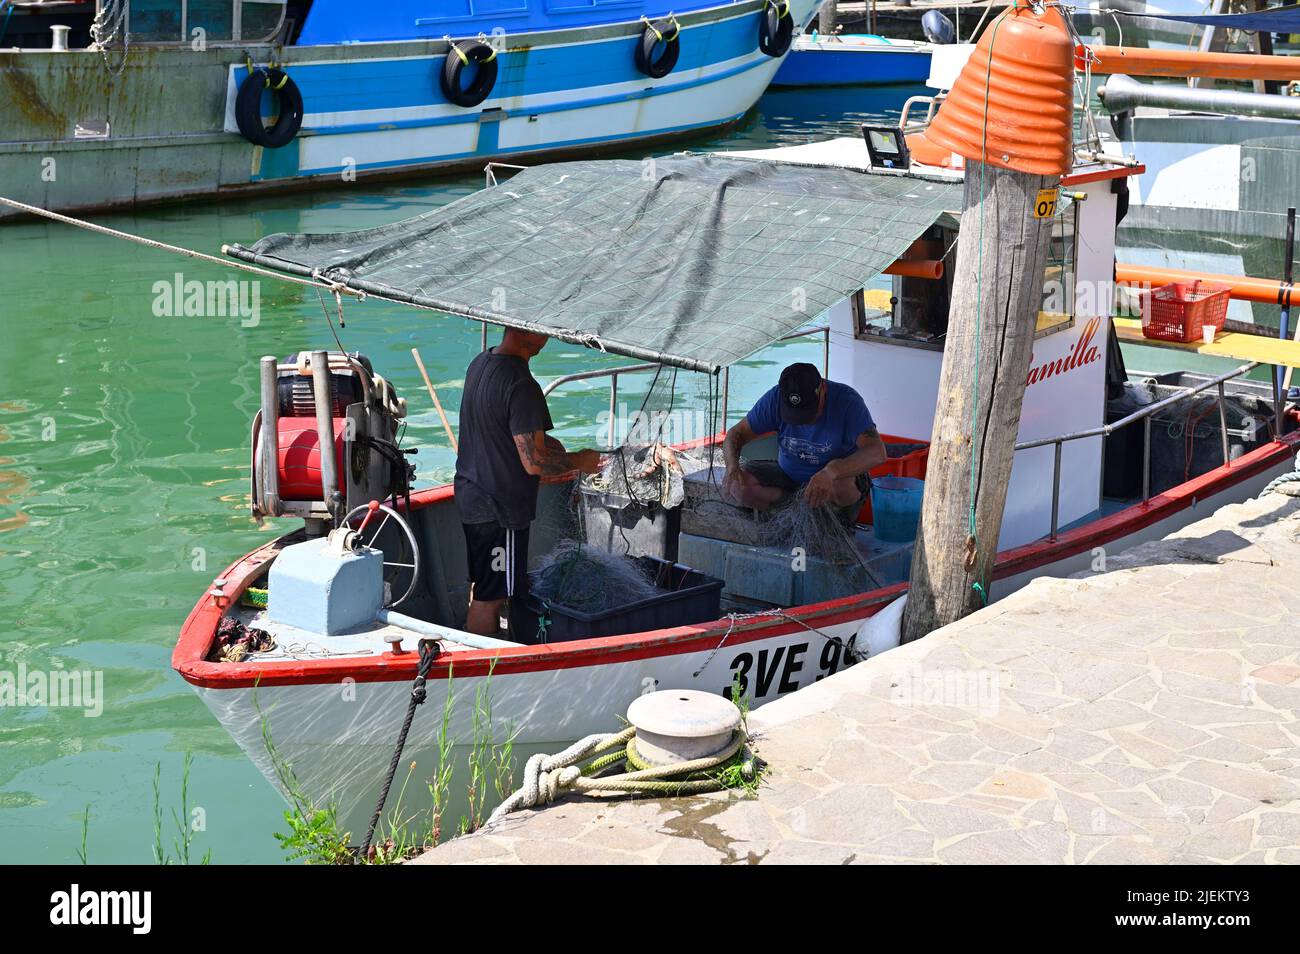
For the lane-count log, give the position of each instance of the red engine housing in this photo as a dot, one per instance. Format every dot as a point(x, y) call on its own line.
point(299, 457)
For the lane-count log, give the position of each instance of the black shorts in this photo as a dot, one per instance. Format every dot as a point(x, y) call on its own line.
point(498, 561)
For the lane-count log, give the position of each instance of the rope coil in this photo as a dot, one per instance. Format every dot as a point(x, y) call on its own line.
point(546, 777)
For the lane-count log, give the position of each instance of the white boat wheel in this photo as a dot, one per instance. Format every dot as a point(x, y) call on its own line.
point(367, 513)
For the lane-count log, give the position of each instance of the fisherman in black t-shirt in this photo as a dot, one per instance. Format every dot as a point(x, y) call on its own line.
point(504, 452)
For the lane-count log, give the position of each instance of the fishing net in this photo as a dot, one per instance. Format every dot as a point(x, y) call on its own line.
point(666, 469)
point(589, 579)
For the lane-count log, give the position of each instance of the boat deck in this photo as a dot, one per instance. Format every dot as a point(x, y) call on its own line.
point(293, 643)
point(1228, 344)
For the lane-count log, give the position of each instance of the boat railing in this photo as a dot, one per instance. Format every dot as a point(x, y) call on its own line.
point(931, 104)
point(614, 373)
point(1144, 414)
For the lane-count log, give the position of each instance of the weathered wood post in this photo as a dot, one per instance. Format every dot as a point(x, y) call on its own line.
point(1011, 107)
point(828, 18)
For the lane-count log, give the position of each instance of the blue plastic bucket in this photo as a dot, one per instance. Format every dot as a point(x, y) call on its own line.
point(896, 507)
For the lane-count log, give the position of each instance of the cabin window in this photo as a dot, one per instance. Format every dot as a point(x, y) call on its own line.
point(448, 10)
point(1058, 275)
point(911, 310)
point(176, 21)
point(914, 310)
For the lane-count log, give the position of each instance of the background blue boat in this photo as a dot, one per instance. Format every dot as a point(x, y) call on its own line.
point(226, 96)
point(853, 59)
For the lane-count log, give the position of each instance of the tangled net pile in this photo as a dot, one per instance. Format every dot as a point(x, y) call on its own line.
point(594, 581)
point(648, 474)
point(795, 523)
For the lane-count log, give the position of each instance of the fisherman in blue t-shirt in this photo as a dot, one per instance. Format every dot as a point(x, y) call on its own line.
point(827, 443)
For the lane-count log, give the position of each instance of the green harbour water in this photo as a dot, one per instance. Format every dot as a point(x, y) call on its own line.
point(124, 466)
point(124, 463)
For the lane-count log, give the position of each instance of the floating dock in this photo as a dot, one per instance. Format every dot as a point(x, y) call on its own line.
point(1141, 714)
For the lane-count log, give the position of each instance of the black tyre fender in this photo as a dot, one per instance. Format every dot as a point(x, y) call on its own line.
point(667, 32)
point(248, 108)
point(461, 55)
point(775, 28)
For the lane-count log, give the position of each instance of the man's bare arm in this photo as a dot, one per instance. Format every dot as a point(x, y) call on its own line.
point(544, 456)
point(738, 435)
point(870, 453)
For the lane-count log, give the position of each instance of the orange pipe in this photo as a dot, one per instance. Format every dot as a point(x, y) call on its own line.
point(1268, 291)
point(917, 268)
point(1135, 61)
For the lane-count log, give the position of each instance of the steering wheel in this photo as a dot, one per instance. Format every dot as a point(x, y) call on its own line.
point(395, 567)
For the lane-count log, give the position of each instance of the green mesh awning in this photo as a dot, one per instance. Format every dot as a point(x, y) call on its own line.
point(696, 261)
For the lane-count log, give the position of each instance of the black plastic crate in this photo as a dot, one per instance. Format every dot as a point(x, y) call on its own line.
point(689, 596)
point(628, 527)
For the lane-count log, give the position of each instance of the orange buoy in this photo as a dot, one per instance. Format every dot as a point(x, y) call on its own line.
point(1012, 106)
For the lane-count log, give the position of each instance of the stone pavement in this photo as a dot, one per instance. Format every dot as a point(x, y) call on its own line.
point(1145, 714)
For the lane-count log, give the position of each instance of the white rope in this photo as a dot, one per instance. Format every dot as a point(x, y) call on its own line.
point(333, 287)
point(109, 20)
point(546, 775)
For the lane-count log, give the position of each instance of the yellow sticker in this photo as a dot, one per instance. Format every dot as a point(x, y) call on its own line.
point(1045, 204)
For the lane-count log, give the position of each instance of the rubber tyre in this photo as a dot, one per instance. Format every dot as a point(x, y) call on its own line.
point(248, 108)
point(775, 29)
point(672, 49)
point(452, 67)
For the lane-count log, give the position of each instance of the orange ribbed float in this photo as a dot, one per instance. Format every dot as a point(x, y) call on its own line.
point(1013, 103)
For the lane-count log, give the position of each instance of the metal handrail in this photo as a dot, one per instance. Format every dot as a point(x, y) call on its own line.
point(613, 374)
point(1144, 414)
point(932, 103)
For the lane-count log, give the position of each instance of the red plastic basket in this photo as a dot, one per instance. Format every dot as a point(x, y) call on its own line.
point(1178, 311)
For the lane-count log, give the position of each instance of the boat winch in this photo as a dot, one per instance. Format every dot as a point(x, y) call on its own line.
point(346, 581)
point(313, 400)
point(327, 585)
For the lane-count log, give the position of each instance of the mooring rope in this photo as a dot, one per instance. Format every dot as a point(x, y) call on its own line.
point(548, 776)
point(335, 288)
point(428, 652)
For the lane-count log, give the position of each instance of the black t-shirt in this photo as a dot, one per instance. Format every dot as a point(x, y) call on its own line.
point(501, 400)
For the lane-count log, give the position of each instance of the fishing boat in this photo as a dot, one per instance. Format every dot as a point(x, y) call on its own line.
point(844, 59)
point(686, 265)
point(173, 100)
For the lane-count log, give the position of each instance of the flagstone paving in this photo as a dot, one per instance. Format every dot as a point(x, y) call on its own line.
point(1146, 714)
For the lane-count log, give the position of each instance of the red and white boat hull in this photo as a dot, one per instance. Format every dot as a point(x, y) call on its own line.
point(334, 720)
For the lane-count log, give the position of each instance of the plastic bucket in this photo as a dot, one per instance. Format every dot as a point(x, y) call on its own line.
point(896, 507)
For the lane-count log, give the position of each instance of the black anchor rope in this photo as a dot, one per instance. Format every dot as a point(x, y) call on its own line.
point(429, 649)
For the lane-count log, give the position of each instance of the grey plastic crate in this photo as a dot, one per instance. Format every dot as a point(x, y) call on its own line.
point(619, 524)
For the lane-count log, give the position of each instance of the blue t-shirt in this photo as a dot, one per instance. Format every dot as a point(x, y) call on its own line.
point(807, 448)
